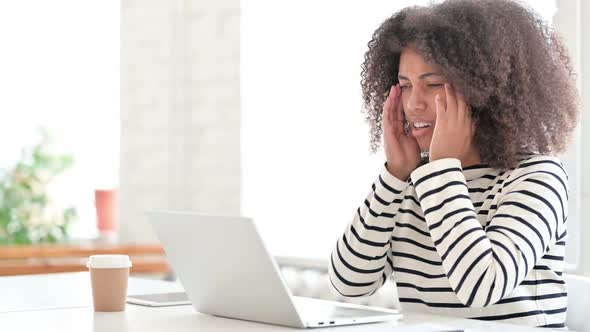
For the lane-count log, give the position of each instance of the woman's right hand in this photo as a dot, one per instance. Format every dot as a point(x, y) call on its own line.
point(402, 151)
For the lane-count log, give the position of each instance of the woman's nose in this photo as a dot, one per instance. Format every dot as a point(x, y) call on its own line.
point(415, 101)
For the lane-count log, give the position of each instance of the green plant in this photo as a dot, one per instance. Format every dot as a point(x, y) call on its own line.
point(27, 212)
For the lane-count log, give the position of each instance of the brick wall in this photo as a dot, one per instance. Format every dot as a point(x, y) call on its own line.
point(180, 124)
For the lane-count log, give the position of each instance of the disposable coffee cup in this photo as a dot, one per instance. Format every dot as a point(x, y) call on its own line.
point(109, 275)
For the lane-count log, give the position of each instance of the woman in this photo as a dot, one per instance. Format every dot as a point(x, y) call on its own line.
point(477, 228)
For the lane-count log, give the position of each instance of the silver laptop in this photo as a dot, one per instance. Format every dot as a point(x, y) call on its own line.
point(227, 271)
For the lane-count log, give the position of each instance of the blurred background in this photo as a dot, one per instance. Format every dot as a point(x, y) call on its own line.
point(237, 108)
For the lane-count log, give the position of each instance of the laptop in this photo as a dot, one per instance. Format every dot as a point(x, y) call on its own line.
point(227, 271)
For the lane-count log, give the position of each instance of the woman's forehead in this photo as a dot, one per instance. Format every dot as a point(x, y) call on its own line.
point(412, 64)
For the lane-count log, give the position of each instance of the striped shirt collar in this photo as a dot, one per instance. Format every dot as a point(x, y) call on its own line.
point(476, 171)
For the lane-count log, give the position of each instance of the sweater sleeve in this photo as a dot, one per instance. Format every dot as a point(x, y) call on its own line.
point(361, 260)
point(485, 265)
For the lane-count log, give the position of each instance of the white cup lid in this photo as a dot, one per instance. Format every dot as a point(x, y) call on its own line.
point(108, 261)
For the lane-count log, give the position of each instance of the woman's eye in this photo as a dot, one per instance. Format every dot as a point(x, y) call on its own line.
point(404, 87)
point(435, 85)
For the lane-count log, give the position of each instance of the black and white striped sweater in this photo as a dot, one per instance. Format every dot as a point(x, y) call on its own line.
point(474, 242)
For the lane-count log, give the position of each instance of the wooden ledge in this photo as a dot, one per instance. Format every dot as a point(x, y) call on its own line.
point(41, 259)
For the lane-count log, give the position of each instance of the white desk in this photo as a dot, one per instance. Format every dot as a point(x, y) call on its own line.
point(65, 304)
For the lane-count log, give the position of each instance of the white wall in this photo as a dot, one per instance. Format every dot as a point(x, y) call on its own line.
point(573, 22)
point(305, 153)
point(179, 109)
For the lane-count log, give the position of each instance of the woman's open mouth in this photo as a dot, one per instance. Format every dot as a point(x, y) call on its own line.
point(420, 129)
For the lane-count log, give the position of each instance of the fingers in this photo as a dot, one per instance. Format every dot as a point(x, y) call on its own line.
point(395, 106)
point(464, 116)
point(389, 101)
point(388, 124)
point(392, 111)
point(462, 108)
point(461, 114)
point(440, 109)
point(469, 120)
point(387, 111)
point(399, 110)
point(451, 97)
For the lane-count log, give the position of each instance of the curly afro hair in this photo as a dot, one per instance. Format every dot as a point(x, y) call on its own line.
point(511, 66)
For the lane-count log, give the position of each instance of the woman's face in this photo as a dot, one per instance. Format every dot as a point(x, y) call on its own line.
point(420, 83)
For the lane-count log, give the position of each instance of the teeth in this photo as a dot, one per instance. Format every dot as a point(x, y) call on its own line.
point(422, 124)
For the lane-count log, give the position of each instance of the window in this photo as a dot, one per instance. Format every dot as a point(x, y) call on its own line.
point(60, 70)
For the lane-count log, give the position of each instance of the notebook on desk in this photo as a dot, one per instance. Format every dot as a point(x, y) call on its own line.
point(227, 271)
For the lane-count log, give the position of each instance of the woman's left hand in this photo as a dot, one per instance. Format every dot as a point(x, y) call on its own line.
point(454, 128)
